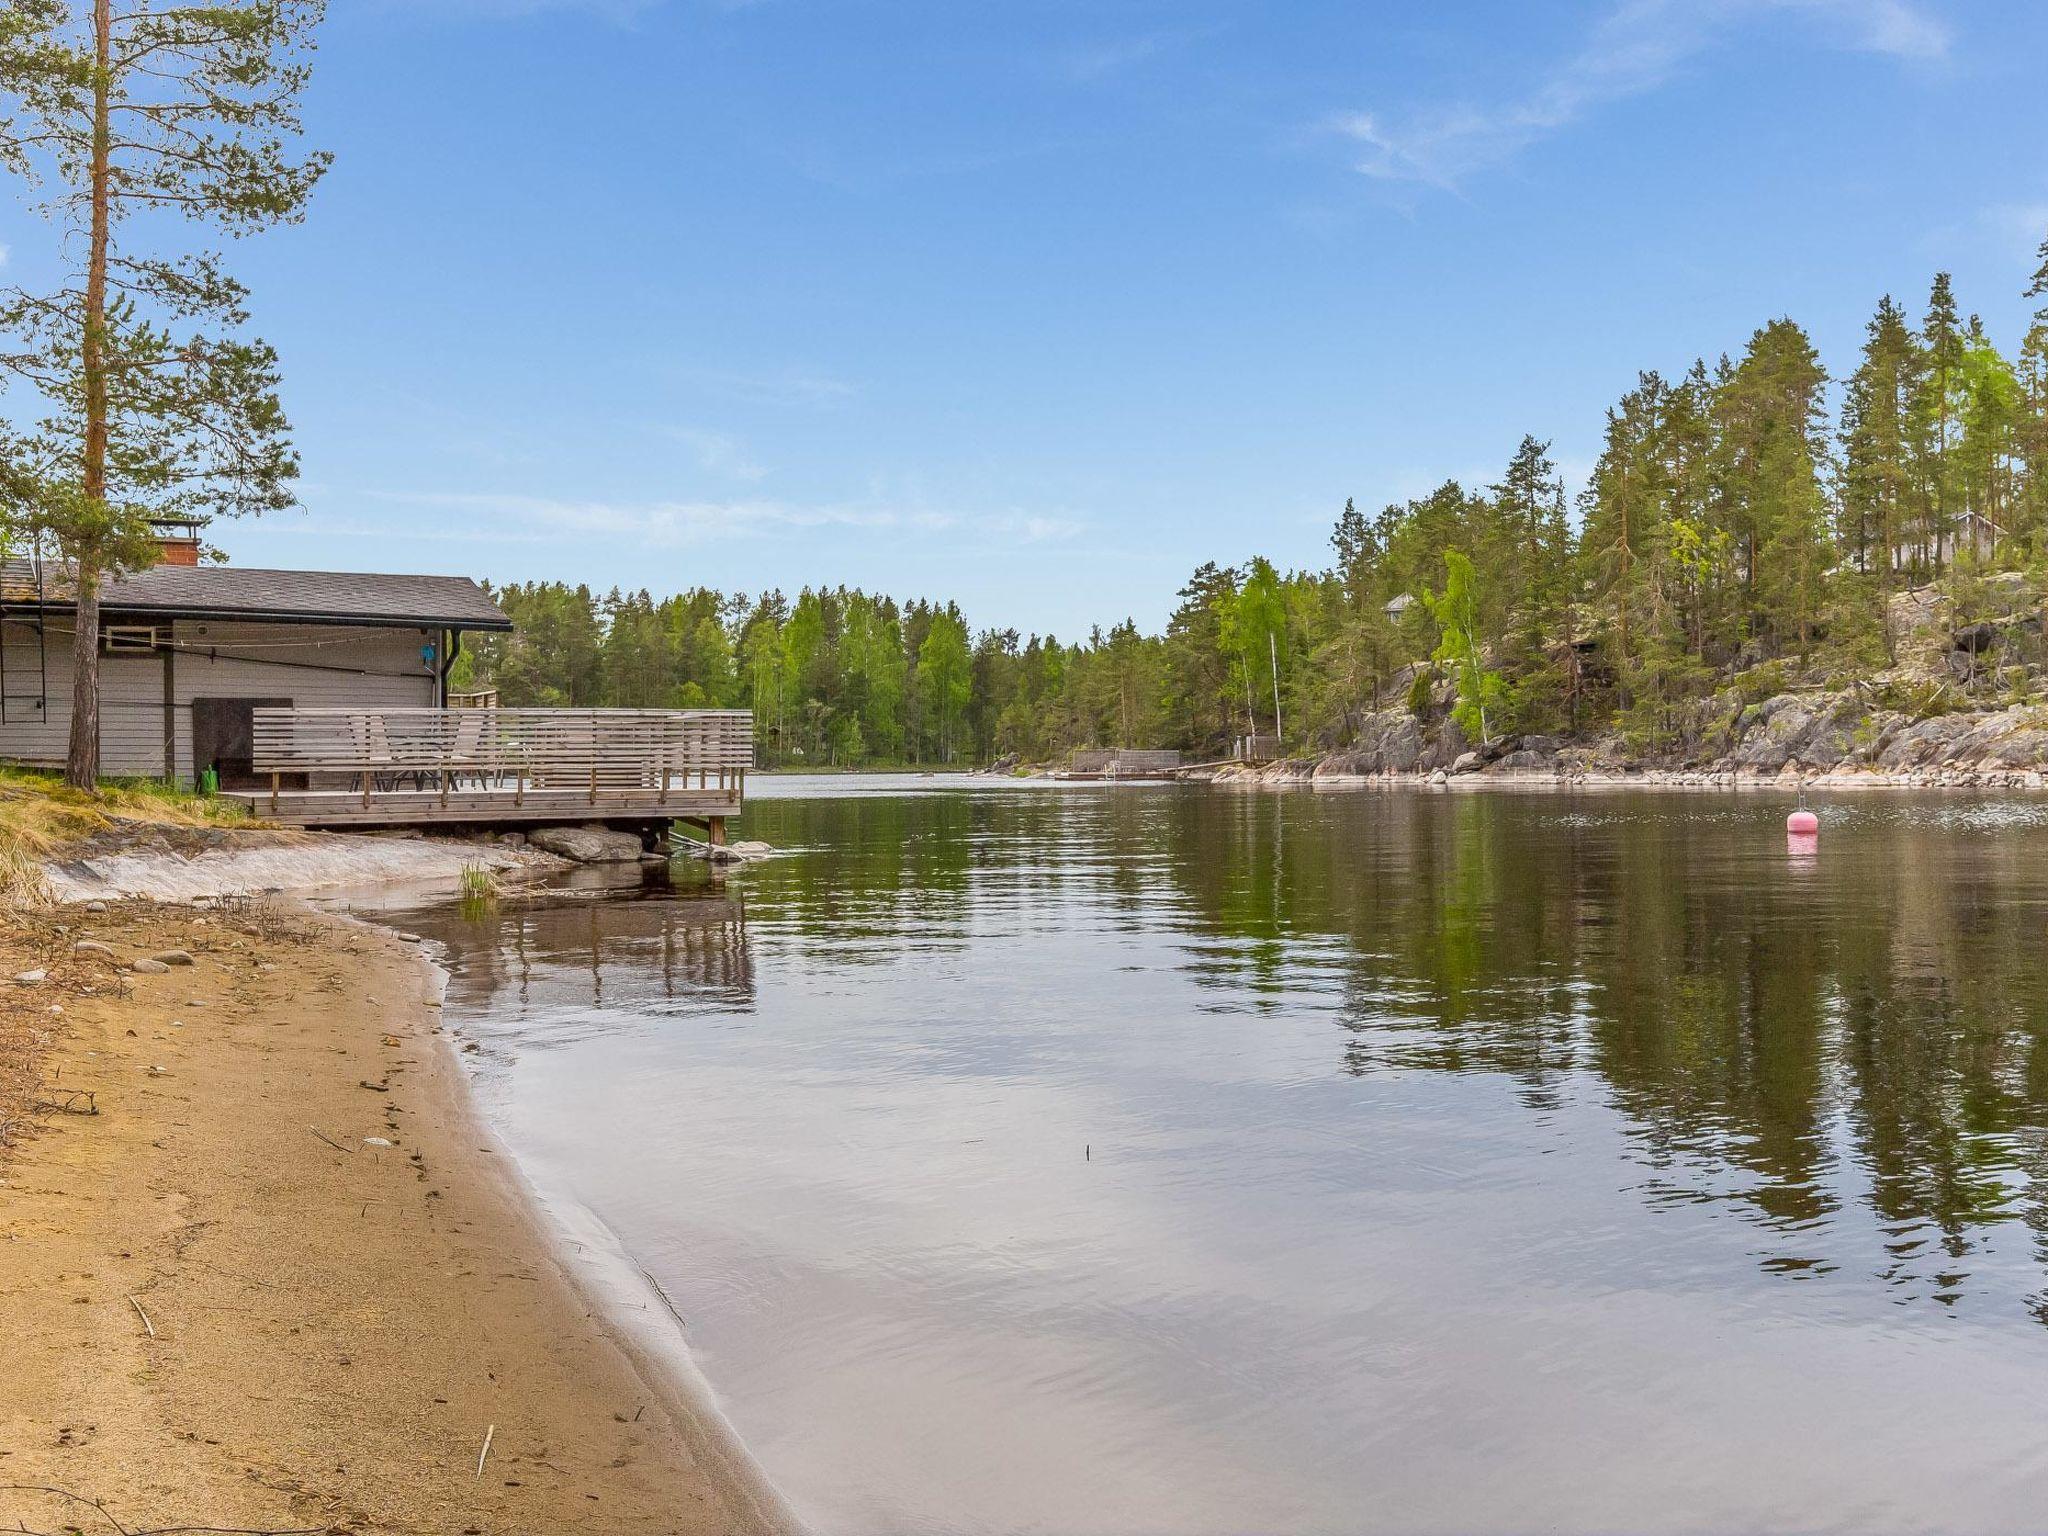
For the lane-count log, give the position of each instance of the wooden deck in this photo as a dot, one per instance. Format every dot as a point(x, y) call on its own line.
point(500, 806)
point(500, 767)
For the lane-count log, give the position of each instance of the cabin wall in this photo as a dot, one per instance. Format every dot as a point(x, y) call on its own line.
point(315, 666)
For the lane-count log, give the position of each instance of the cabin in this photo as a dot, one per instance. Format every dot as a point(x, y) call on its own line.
point(321, 698)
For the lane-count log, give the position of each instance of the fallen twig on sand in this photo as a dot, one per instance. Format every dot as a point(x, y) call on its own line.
point(146, 1323)
point(330, 1140)
point(99, 1507)
point(480, 1455)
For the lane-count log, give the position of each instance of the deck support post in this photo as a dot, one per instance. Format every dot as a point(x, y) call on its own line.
point(714, 829)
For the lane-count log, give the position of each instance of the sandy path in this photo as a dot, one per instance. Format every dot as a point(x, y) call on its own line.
point(335, 1331)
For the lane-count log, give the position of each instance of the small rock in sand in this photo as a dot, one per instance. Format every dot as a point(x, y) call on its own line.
point(173, 957)
point(30, 978)
point(95, 906)
point(149, 967)
point(93, 947)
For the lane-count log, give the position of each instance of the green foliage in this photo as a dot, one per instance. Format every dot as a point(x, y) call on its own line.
point(147, 395)
point(1722, 553)
point(1456, 610)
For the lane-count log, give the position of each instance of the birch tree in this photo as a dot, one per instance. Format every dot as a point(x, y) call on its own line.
point(134, 122)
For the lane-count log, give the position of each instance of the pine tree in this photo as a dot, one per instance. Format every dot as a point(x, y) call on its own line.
point(1622, 527)
point(1876, 439)
point(157, 402)
point(1941, 340)
point(2031, 514)
point(1773, 448)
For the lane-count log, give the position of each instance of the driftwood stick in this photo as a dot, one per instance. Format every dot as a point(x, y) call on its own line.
point(99, 1507)
point(146, 1323)
point(76, 1498)
point(480, 1455)
point(330, 1140)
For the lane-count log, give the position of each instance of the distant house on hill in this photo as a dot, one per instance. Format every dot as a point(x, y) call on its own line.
point(187, 651)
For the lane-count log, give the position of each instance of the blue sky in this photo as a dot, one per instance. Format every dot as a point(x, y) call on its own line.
point(1039, 304)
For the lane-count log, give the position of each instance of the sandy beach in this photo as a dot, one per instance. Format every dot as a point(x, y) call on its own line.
point(282, 1279)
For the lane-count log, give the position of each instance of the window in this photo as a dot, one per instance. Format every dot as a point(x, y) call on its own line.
point(131, 639)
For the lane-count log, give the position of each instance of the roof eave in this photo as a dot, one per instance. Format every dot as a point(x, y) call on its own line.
point(500, 625)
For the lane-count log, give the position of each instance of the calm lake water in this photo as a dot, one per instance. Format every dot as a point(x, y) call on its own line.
point(1174, 1160)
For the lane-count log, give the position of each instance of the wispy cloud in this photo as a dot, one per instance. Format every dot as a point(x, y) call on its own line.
point(791, 386)
point(720, 454)
point(1086, 63)
point(2022, 226)
point(1635, 48)
point(5, 252)
point(667, 524)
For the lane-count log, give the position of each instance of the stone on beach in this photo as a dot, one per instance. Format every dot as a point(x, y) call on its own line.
point(173, 957)
point(149, 968)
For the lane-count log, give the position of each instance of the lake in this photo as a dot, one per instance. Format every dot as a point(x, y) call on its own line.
point(1099, 1159)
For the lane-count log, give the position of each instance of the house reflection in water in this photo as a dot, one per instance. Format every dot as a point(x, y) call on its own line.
point(595, 940)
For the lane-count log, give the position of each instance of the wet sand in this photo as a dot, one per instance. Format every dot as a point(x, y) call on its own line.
point(224, 1304)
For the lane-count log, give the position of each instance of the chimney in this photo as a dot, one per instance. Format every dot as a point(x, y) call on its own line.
point(177, 539)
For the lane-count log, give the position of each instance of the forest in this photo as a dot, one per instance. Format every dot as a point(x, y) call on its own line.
point(1747, 526)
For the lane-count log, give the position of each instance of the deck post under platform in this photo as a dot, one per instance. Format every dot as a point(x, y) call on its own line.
point(715, 830)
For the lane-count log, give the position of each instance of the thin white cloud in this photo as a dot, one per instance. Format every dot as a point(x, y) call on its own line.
point(1089, 62)
point(1093, 61)
point(1634, 49)
point(5, 252)
point(672, 523)
point(720, 454)
point(2020, 226)
point(792, 386)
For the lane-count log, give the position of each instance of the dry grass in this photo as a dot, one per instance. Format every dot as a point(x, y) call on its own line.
point(36, 941)
point(39, 815)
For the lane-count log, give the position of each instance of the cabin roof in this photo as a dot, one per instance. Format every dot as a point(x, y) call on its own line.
point(277, 597)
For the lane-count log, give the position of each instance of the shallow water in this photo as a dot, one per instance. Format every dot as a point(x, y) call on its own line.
point(1173, 1160)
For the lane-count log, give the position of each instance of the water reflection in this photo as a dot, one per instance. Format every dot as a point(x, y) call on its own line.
point(1185, 1160)
point(1783, 1035)
point(601, 947)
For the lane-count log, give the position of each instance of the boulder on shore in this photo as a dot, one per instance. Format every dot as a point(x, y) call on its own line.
point(588, 844)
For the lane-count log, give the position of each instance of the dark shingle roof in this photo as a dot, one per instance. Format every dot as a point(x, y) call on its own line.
point(236, 592)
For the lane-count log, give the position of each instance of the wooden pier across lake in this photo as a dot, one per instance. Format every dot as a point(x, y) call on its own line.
point(499, 767)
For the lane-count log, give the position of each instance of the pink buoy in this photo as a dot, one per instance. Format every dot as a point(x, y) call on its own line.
point(1802, 824)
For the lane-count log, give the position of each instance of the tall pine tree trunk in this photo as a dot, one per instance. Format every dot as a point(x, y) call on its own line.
point(82, 756)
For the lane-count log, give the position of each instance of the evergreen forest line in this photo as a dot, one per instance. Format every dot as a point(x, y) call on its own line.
point(1740, 532)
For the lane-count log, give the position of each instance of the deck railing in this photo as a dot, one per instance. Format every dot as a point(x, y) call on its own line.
point(606, 754)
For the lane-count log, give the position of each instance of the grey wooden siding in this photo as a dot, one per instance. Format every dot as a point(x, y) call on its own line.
point(315, 666)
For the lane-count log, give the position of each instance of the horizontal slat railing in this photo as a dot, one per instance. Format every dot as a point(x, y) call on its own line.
point(639, 754)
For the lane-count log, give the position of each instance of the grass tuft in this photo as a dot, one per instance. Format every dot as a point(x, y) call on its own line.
point(40, 814)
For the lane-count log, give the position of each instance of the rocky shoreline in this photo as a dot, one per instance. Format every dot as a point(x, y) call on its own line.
point(1834, 739)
